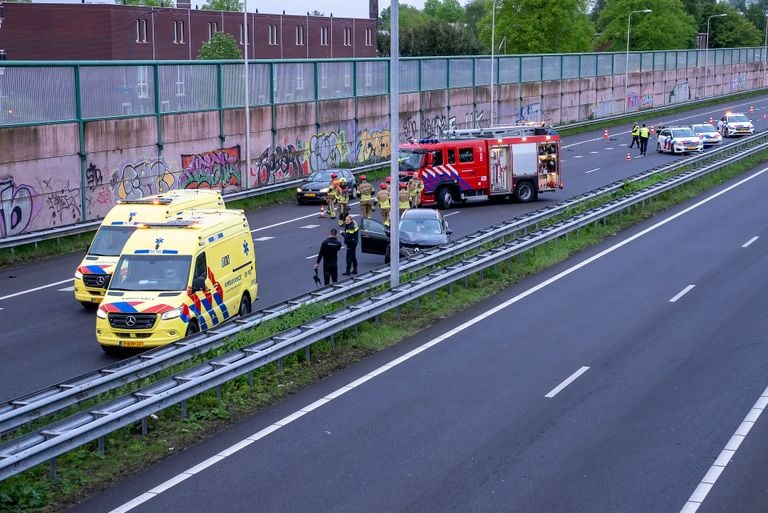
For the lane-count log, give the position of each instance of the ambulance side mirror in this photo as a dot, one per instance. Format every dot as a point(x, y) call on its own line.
point(198, 283)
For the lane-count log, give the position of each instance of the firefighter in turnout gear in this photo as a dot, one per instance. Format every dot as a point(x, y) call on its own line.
point(387, 182)
point(331, 197)
point(415, 186)
point(342, 197)
point(382, 198)
point(403, 198)
point(366, 197)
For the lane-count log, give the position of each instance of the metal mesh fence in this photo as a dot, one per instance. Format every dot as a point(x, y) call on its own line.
point(38, 93)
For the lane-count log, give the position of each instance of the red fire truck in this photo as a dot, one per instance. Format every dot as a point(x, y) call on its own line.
point(484, 163)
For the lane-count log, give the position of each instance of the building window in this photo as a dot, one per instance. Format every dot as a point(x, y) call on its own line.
point(178, 32)
point(323, 36)
point(213, 27)
point(142, 79)
point(347, 36)
point(299, 35)
point(368, 37)
point(273, 35)
point(141, 31)
point(242, 34)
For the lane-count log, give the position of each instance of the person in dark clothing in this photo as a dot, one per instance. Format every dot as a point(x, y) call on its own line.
point(351, 235)
point(329, 252)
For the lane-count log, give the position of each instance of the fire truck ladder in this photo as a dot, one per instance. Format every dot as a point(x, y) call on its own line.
point(496, 131)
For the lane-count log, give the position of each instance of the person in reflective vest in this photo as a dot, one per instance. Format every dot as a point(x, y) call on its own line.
point(635, 135)
point(342, 197)
point(351, 237)
point(366, 197)
point(382, 198)
point(644, 135)
point(415, 186)
point(331, 195)
point(403, 198)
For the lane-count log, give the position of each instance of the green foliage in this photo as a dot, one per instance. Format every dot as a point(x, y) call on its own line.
point(220, 46)
point(730, 31)
point(439, 38)
point(409, 17)
point(668, 27)
point(530, 28)
point(224, 5)
point(475, 11)
point(449, 11)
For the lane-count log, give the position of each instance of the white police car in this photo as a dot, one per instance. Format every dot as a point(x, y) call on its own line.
point(735, 123)
point(678, 139)
point(707, 133)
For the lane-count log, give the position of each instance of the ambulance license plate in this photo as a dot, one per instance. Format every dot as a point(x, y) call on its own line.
point(310, 194)
point(132, 343)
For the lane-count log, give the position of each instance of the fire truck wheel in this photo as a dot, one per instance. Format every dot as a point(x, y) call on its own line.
point(444, 198)
point(525, 192)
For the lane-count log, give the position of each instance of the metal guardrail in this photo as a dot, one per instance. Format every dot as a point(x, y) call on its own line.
point(61, 436)
point(52, 399)
point(79, 228)
point(53, 233)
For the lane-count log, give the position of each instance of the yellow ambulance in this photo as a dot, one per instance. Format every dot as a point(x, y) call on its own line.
point(178, 277)
point(94, 272)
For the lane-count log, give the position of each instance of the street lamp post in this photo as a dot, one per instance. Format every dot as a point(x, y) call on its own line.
point(626, 60)
point(247, 171)
point(765, 50)
point(706, 51)
point(493, 44)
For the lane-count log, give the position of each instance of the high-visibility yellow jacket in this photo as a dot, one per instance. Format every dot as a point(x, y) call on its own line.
point(383, 198)
point(644, 132)
point(635, 130)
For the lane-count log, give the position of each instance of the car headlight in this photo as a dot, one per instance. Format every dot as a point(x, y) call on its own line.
point(171, 314)
point(78, 275)
point(298, 189)
point(101, 314)
point(324, 190)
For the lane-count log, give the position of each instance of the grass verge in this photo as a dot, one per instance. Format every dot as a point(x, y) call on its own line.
point(85, 470)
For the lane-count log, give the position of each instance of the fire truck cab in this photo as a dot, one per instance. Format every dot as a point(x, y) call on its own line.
point(479, 164)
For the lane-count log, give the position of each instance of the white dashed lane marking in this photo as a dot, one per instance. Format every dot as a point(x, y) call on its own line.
point(592, 170)
point(570, 379)
point(310, 257)
point(67, 289)
point(749, 242)
point(578, 156)
point(262, 239)
point(682, 293)
point(309, 226)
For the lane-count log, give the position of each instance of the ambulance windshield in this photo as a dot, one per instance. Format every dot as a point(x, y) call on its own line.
point(161, 273)
point(109, 240)
point(410, 160)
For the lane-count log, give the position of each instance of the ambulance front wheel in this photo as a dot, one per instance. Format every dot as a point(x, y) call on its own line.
point(192, 328)
point(88, 305)
point(245, 306)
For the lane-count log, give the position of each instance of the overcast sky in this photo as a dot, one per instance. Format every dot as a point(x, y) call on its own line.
point(339, 8)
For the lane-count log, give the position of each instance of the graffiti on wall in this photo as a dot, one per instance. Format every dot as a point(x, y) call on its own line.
point(61, 199)
point(431, 127)
point(327, 150)
point(604, 106)
point(373, 145)
point(96, 192)
point(529, 113)
point(738, 83)
point(283, 163)
point(215, 169)
point(17, 207)
point(134, 180)
point(680, 93)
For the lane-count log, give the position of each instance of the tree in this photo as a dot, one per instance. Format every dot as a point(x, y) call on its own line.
point(220, 47)
point(475, 11)
point(668, 27)
point(596, 8)
point(531, 28)
point(223, 5)
point(409, 17)
point(439, 38)
point(756, 12)
point(730, 31)
point(449, 11)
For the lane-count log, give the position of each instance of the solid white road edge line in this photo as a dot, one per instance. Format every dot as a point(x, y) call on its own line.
point(9, 296)
point(458, 329)
point(749, 242)
point(710, 478)
point(681, 293)
point(570, 379)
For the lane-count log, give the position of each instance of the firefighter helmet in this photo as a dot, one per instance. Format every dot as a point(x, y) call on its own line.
point(383, 186)
point(363, 178)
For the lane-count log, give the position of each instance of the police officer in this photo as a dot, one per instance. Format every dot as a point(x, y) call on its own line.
point(403, 198)
point(329, 253)
point(644, 135)
point(351, 234)
point(331, 196)
point(342, 197)
point(415, 186)
point(382, 198)
point(366, 197)
point(635, 135)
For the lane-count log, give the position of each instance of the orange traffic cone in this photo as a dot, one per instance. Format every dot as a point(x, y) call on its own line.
point(605, 134)
point(322, 211)
point(711, 121)
point(765, 116)
point(751, 109)
point(629, 157)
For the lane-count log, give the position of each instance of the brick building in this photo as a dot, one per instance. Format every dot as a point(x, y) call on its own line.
point(37, 31)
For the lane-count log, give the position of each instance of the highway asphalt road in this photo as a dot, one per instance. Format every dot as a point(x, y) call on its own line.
point(48, 338)
point(630, 378)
